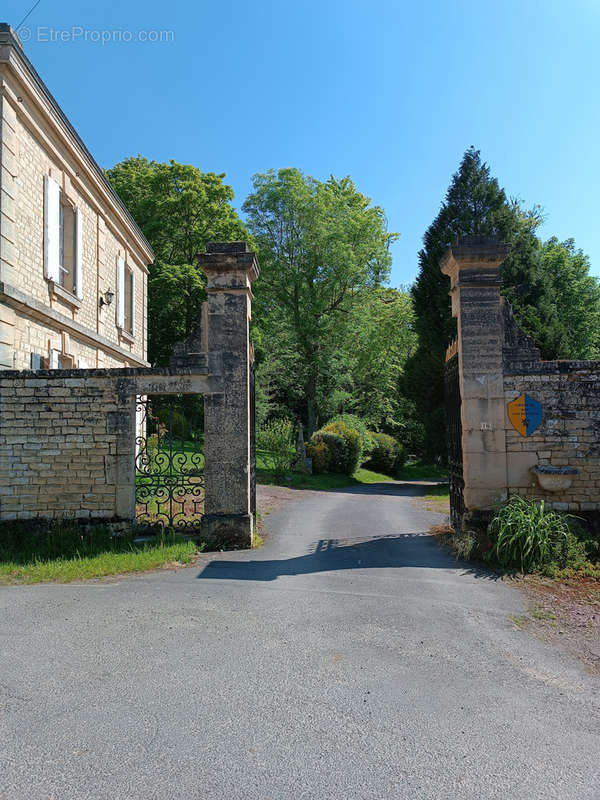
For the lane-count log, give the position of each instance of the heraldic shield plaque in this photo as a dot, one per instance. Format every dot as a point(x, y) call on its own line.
point(525, 414)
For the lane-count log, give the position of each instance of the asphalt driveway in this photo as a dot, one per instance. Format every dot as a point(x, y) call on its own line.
point(350, 657)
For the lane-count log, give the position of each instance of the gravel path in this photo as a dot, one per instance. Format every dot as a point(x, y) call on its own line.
point(350, 657)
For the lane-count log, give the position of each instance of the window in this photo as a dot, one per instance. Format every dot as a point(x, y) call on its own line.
point(125, 297)
point(129, 301)
point(67, 245)
point(62, 240)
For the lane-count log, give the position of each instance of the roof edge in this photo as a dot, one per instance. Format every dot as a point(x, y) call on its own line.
point(9, 37)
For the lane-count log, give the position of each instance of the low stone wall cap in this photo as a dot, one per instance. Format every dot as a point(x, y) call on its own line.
point(227, 247)
point(476, 240)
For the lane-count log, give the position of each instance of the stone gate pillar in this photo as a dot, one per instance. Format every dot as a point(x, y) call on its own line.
point(473, 265)
point(229, 518)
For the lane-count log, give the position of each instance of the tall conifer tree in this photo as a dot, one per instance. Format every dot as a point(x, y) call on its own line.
point(553, 297)
point(474, 204)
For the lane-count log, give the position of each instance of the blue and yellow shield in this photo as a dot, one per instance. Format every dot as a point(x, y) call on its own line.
point(525, 413)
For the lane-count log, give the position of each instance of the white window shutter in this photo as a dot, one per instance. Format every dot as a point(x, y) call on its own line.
point(54, 362)
point(51, 229)
point(78, 255)
point(133, 302)
point(120, 292)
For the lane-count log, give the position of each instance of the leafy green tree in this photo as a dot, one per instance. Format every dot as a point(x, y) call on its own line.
point(574, 316)
point(382, 337)
point(179, 209)
point(321, 246)
point(175, 293)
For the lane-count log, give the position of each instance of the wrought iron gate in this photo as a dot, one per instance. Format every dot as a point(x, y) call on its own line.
point(169, 481)
point(454, 434)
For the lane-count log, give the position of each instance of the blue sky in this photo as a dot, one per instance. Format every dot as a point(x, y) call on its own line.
point(390, 93)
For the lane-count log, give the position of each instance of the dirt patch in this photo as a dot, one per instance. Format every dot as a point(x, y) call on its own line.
point(566, 612)
point(434, 496)
point(273, 498)
point(437, 504)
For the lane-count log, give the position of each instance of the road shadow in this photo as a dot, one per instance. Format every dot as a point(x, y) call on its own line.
point(329, 555)
point(396, 488)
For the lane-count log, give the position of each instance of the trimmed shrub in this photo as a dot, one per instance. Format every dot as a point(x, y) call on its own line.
point(351, 437)
point(321, 457)
point(336, 449)
point(387, 455)
point(354, 422)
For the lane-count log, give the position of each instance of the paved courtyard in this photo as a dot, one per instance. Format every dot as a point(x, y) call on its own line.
point(350, 657)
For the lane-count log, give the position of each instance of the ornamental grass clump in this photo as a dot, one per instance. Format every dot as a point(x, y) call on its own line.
point(529, 536)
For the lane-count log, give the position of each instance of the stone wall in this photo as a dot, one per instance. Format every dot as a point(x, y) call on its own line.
point(65, 445)
point(67, 439)
point(498, 363)
point(569, 433)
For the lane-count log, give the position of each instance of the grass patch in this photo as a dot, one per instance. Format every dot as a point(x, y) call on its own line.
point(74, 569)
point(541, 613)
point(65, 551)
point(418, 471)
point(298, 480)
point(368, 476)
point(257, 540)
point(520, 621)
point(323, 483)
point(439, 492)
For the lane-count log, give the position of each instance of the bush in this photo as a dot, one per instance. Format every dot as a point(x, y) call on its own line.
point(529, 536)
point(275, 440)
point(387, 455)
point(356, 424)
point(350, 462)
point(321, 457)
point(336, 457)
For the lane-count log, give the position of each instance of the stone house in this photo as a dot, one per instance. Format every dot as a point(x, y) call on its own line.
point(73, 263)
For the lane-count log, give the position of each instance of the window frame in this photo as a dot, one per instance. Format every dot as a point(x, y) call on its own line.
point(56, 201)
point(125, 297)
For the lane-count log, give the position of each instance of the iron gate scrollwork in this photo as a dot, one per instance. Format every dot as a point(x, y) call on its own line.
point(169, 463)
point(454, 434)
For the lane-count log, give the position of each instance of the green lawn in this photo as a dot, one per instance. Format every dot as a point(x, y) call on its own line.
point(74, 569)
point(296, 480)
point(417, 471)
point(65, 552)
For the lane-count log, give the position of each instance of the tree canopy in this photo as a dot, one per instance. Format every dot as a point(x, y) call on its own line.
point(330, 336)
point(179, 208)
point(321, 246)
